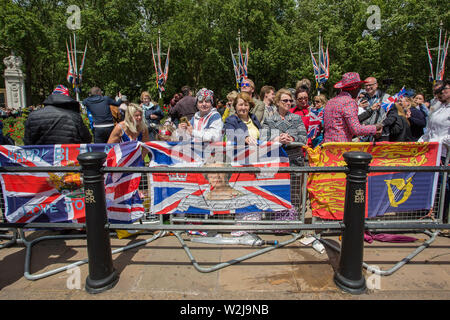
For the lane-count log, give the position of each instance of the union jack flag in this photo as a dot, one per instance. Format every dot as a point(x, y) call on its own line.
point(235, 69)
point(430, 61)
point(240, 193)
point(70, 71)
point(315, 122)
point(393, 99)
point(59, 197)
point(80, 76)
point(161, 75)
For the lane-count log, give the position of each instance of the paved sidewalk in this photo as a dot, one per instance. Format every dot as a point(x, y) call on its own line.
point(162, 270)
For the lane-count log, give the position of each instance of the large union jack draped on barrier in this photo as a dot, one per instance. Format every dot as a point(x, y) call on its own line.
point(59, 197)
point(219, 193)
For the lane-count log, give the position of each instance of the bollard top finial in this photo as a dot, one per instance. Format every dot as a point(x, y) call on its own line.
point(92, 158)
point(354, 157)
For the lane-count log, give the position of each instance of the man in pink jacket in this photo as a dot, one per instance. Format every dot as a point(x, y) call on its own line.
point(341, 122)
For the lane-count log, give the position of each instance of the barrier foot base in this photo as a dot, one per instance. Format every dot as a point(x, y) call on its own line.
point(98, 286)
point(350, 286)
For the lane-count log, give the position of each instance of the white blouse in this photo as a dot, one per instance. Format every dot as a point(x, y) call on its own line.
point(438, 127)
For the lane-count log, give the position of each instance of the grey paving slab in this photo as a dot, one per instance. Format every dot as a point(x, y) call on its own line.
point(161, 270)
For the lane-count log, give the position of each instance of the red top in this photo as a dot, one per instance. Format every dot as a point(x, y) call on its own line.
point(304, 113)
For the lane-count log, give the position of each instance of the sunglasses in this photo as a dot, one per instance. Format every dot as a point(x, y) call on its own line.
point(440, 90)
point(245, 85)
point(300, 99)
point(287, 100)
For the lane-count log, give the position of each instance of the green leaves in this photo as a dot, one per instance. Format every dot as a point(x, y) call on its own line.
point(278, 33)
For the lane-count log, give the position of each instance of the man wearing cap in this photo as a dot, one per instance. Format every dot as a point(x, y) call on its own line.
point(341, 122)
point(206, 125)
point(59, 122)
point(99, 106)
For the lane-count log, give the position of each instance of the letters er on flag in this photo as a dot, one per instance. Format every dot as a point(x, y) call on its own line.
point(218, 193)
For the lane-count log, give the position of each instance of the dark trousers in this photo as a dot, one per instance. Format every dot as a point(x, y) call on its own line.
point(101, 135)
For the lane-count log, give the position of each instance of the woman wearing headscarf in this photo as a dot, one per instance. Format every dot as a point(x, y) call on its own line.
point(206, 125)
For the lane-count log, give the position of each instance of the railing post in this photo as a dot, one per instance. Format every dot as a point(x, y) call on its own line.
point(349, 277)
point(102, 275)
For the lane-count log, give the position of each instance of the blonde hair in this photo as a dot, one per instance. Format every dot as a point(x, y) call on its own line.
point(232, 95)
point(400, 111)
point(129, 120)
point(145, 94)
point(323, 99)
point(412, 104)
point(279, 93)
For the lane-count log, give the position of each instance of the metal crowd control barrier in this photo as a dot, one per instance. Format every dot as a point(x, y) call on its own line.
point(421, 220)
point(102, 275)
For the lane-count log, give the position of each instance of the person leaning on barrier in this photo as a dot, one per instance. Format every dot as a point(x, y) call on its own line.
point(438, 126)
point(206, 125)
point(417, 119)
point(438, 130)
point(396, 126)
point(285, 127)
point(242, 126)
point(59, 122)
point(132, 128)
point(341, 121)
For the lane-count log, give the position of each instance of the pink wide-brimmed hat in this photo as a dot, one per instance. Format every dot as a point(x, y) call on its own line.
point(349, 80)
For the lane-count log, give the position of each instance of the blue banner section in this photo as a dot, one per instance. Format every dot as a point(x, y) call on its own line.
point(400, 192)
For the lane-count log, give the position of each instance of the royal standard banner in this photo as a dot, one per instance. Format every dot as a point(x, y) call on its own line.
point(219, 193)
point(59, 197)
point(388, 192)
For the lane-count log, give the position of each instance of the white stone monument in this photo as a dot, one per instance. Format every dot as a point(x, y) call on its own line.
point(14, 82)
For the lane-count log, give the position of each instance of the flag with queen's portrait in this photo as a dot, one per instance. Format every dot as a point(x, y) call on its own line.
point(236, 192)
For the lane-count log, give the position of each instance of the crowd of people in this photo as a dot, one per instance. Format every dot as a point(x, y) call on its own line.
point(285, 115)
point(292, 117)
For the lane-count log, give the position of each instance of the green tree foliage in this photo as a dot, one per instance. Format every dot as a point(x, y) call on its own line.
point(279, 34)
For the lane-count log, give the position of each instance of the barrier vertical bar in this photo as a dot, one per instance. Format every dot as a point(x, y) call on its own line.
point(102, 275)
point(349, 277)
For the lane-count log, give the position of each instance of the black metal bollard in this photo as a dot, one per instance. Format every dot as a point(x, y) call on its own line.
point(102, 275)
point(349, 277)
